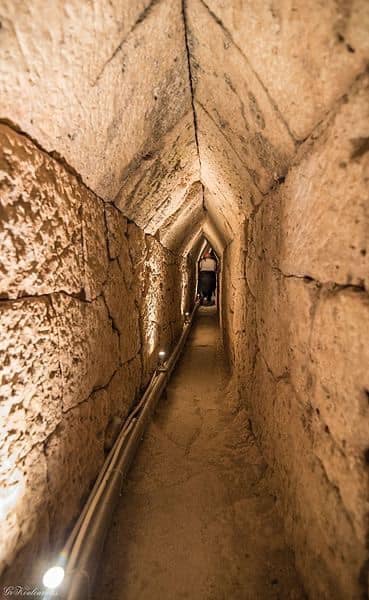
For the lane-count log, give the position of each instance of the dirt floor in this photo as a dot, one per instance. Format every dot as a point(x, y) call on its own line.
point(197, 519)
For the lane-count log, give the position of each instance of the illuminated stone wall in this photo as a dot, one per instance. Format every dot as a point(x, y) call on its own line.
point(147, 125)
point(87, 300)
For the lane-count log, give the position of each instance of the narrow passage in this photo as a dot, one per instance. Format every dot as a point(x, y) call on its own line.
point(197, 519)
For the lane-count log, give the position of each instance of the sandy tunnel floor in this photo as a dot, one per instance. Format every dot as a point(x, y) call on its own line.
point(197, 518)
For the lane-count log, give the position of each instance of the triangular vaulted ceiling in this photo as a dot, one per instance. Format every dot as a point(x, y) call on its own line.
point(183, 114)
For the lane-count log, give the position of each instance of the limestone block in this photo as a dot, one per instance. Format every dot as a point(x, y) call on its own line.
point(117, 229)
point(89, 348)
point(123, 311)
point(345, 467)
point(94, 245)
point(339, 354)
point(301, 300)
point(301, 53)
point(74, 455)
point(158, 186)
point(226, 178)
point(272, 319)
point(24, 525)
point(137, 252)
point(30, 383)
point(40, 236)
point(176, 230)
point(123, 389)
point(288, 433)
point(324, 206)
point(118, 242)
point(108, 90)
point(232, 95)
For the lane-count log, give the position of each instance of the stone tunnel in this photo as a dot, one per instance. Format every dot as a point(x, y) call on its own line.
point(134, 132)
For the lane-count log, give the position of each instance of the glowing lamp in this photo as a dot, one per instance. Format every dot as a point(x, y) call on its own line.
point(53, 577)
point(162, 355)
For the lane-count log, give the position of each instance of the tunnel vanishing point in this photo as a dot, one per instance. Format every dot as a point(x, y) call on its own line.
point(132, 131)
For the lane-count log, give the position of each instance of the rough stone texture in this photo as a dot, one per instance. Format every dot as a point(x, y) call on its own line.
point(96, 48)
point(74, 454)
point(76, 290)
point(235, 103)
point(30, 377)
point(305, 54)
point(41, 231)
point(325, 199)
point(21, 528)
point(156, 188)
point(242, 123)
point(307, 393)
point(135, 145)
point(124, 313)
point(89, 352)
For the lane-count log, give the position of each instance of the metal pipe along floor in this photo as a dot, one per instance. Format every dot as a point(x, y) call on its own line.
point(197, 518)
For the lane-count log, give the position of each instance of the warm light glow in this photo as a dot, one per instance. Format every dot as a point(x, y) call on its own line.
point(162, 354)
point(153, 299)
point(10, 493)
point(53, 577)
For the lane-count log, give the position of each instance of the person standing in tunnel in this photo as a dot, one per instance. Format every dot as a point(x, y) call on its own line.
point(207, 277)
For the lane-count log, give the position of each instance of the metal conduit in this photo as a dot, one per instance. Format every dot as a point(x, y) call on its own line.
point(83, 548)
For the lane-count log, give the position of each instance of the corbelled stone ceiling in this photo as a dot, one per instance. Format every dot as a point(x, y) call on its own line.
point(202, 103)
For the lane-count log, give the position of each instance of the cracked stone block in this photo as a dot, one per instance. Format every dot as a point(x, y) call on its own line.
point(117, 228)
point(324, 206)
point(104, 61)
point(30, 377)
point(95, 249)
point(40, 235)
point(123, 312)
point(306, 55)
point(339, 354)
point(118, 243)
point(124, 386)
point(159, 186)
point(235, 101)
point(89, 347)
point(74, 455)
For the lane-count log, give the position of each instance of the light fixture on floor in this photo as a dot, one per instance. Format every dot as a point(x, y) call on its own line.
point(187, 317)
point(161, 363)
point(53, 577)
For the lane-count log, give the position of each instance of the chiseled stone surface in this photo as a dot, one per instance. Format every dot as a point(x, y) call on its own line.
point(74, 455)
point(235, 102)
point(264, 150)
point(307, 393)
point(95, 245)
point(123, 311)
point(30, 381)
point(89, 347)
point(25, 532)
point(41, 231)
point(324, 201)
point(108, 105)
point(306, 54)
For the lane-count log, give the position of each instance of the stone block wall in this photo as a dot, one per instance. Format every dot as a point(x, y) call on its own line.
point(86, 301)
point(298, 339)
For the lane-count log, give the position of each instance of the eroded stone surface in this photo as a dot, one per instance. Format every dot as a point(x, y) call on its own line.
point(306, 54)
point(89, 347)
point(40, 234)
point(74, 455)
point(30, 377)
point(108, 87)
